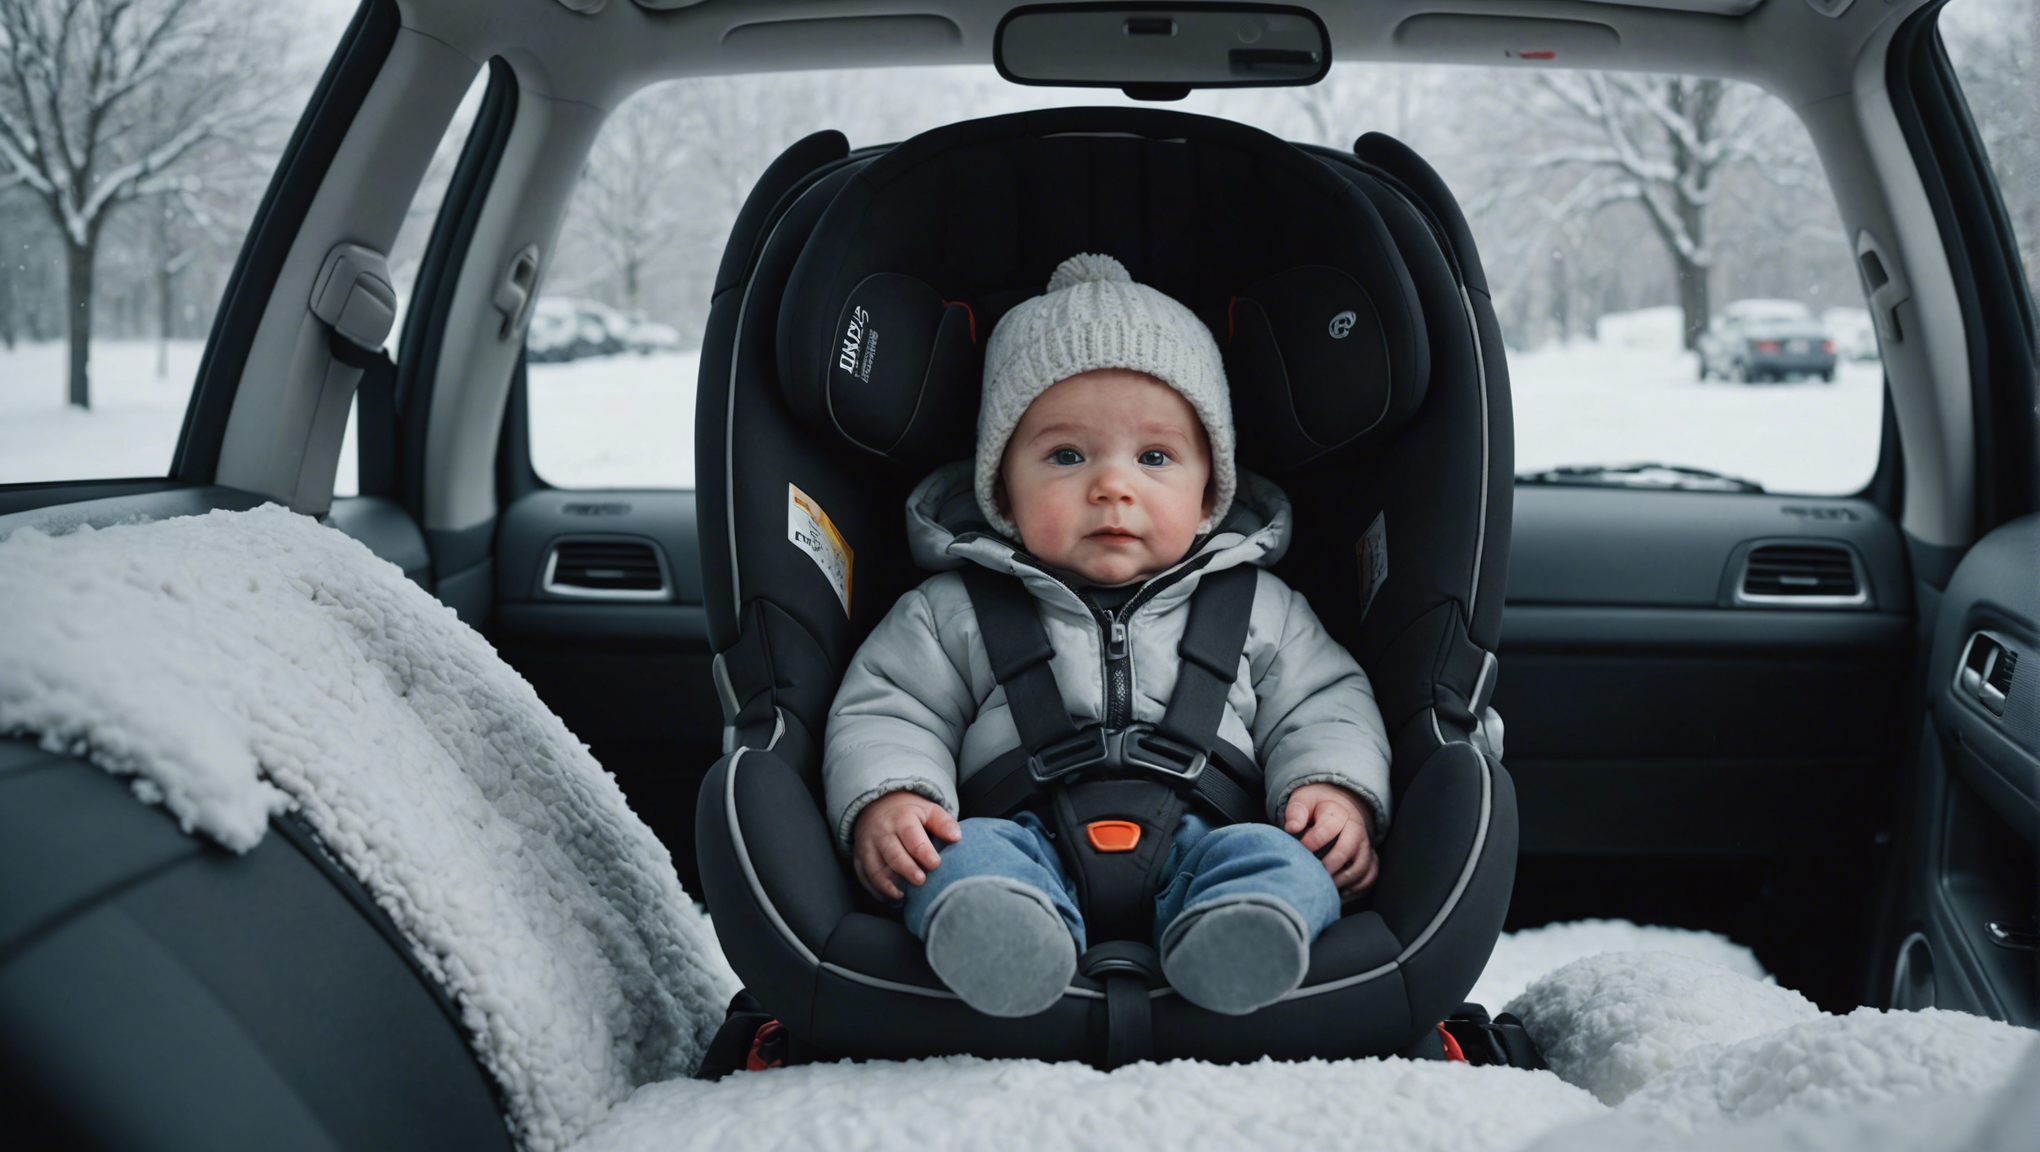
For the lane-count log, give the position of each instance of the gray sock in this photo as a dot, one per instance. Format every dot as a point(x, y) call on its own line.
point(1001, 946)
point(1235, 956)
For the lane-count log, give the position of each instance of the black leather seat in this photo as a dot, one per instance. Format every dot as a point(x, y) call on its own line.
point(160, 992)
point(1367, 379)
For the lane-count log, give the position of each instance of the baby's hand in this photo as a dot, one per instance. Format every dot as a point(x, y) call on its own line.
point(890, 839)
point(1339, 827)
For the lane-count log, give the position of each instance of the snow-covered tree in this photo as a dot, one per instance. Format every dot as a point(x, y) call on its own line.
point(630, 205)
point(1659, 142)
point(105, 102)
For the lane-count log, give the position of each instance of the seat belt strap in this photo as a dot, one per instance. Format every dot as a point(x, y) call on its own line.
point(1017, 646)
point(1213, 639)
point(375, 412)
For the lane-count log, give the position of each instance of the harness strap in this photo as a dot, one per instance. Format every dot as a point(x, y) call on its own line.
point(1017, 647)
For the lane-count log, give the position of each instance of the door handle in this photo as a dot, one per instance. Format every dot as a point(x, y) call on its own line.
point(2005, 936)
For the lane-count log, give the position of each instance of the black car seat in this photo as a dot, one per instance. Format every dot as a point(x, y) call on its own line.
point(1367, 379)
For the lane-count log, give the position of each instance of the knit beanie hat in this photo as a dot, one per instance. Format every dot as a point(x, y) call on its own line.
point(1094, 316)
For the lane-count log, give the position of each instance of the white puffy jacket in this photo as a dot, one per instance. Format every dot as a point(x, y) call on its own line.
point(919, 709)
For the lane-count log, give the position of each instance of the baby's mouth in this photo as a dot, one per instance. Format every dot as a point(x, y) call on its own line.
point(1113, 534)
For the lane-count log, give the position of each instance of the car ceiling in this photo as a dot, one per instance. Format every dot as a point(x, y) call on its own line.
point(598, 51)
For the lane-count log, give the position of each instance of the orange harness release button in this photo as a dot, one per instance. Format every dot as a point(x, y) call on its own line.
point(1113, 835)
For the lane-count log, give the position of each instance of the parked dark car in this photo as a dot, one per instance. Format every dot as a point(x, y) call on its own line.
point(1754, 340)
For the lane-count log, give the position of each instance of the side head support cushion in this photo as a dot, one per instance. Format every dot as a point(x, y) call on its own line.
point(884, 314)
point(899, 374)
point(1319, 360)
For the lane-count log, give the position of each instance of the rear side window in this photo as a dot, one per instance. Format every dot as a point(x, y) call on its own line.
point(107, 289)
point(614, 342)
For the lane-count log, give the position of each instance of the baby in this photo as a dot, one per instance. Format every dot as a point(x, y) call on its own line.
point(1104, 482)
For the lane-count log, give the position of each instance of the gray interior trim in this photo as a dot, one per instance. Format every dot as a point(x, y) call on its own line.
point(744, 858)
point(523, 207)
point(284, 430)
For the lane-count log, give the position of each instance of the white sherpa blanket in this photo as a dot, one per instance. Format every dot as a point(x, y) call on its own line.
point(1650, 1051)
point(241, 664)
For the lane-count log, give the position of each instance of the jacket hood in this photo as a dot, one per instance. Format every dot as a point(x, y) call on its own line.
point(946, 529)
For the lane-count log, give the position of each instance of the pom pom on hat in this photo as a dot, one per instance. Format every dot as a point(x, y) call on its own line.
point(1094, 315)
point(1087, 267)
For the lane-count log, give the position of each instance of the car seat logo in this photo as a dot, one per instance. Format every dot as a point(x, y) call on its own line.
point(1342, 324)
point(860, 344)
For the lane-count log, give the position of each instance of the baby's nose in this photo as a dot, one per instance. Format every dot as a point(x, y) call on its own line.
point(1112, 483)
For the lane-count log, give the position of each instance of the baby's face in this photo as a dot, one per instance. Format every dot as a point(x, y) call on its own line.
point(1108, 476)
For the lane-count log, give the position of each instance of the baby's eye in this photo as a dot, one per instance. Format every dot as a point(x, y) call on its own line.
point(1154, 458)
point(1067, 457)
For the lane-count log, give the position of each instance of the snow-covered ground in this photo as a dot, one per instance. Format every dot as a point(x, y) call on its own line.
point(628, 420)
point(131, 429)
point(1611, 403)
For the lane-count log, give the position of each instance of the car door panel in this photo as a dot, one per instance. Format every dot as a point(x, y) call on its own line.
point(1962, 922)
point(1713, 745)
point(627, 667)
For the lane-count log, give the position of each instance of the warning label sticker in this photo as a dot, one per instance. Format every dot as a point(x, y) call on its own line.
point(1373, 549)
point(810, 530)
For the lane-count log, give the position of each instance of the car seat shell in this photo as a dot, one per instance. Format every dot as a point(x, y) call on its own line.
point(1431, 458)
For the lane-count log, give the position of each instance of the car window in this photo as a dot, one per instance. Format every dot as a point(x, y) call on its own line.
point(108, 285)
point(1608, 246)
point(1994, 46)
point(407, 252)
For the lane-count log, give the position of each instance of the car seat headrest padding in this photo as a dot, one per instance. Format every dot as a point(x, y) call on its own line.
point(883, 317)
point(900, 375)
point(1322, 364)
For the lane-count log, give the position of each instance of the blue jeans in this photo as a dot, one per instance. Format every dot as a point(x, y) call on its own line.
point(1205, 865)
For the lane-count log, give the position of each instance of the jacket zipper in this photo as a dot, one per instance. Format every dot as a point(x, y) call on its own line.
point(1117, 671)
point(1118, 668)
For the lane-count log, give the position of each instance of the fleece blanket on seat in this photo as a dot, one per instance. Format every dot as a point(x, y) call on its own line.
point(241, 664)
point(1649, 1051)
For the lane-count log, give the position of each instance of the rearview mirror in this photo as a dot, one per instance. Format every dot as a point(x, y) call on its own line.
point(1158, 51)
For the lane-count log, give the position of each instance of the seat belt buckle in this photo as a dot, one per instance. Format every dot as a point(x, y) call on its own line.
point(1084, 749)
point(1141, 746)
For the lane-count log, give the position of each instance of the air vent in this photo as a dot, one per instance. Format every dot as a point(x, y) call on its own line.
point(606, 569)
point(1801, 574)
